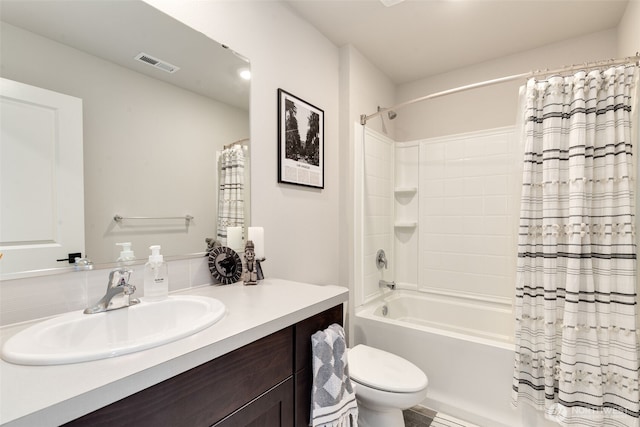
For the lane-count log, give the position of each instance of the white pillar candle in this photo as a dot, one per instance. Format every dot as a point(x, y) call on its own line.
point(256, 235)
point(234, 238)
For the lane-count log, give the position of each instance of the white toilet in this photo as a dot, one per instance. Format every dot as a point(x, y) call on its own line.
point(386, 384)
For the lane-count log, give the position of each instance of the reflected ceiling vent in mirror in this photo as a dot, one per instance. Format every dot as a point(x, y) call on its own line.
point(157, 63)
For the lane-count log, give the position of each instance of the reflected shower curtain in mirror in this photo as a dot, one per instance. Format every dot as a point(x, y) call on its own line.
point(576, 339)
point(231, 191)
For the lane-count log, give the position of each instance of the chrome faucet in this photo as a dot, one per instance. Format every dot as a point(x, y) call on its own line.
point(383, 283)
point(118, 293)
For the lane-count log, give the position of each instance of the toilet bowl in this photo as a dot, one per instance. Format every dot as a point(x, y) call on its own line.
point(385, 385)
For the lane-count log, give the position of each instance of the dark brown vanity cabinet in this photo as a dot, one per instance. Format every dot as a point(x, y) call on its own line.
point(264, 384)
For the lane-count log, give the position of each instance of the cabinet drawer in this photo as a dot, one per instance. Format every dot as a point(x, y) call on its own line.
point(272, 409)
point(207, 393)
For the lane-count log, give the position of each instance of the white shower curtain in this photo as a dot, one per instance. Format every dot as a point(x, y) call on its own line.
point(231, 191)
point(576, 338)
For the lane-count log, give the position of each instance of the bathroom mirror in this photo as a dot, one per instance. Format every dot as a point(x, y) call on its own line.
point(153, 127)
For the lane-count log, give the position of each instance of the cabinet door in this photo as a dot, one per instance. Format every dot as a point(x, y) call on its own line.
point(272, 409)
point(303, 374)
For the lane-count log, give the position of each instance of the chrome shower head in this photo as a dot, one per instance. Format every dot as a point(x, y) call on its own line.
point(391, 114)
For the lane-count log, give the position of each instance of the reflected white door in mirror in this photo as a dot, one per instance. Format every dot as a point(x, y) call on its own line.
point(41, 178)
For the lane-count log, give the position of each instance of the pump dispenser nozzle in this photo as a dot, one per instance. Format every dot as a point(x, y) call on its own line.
point(126, 254)
point(155, 254)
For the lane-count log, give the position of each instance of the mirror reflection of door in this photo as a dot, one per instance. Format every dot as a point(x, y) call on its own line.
point(41, 178)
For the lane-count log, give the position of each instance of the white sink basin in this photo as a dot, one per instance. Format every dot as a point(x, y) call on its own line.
point(78, 337)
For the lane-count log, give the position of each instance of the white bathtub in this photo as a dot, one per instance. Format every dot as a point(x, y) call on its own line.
point(475, 320)
point(465, 347)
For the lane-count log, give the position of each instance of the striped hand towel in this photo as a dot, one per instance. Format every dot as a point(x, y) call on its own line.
point(333, 398)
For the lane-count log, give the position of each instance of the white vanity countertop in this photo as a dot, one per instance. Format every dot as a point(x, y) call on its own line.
point(53, 395)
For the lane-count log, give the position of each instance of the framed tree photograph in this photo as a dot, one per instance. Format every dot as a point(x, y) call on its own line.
point(300, 141)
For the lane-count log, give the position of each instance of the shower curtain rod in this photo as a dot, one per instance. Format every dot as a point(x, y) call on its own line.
point(586, 66)
point(238, 142)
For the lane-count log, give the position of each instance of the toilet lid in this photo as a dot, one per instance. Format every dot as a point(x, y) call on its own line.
point(384, 371)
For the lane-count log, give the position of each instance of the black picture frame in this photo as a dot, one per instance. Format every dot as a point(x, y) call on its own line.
point(300, 141)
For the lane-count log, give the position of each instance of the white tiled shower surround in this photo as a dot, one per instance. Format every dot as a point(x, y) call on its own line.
point(460, 255)
point(465, 206)
point(469, 208)
point(377, 209)
point(43, 296)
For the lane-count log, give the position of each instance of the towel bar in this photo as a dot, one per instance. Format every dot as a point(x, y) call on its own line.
point(118, 218)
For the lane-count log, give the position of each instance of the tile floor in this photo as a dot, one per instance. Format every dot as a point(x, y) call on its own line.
point(419, 416)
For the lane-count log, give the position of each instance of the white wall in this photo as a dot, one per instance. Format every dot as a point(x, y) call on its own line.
point(493, 106)
point(301, 224)
point(629, 30)
point(368, 89)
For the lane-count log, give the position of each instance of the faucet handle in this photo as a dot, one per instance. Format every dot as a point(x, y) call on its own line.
point(119, 277)
point(129, 289)
point(381, 259)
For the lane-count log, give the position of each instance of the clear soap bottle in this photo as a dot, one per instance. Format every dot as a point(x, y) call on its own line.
point(156, 277)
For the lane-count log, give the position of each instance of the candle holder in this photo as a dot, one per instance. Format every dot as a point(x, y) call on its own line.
point(259, 272)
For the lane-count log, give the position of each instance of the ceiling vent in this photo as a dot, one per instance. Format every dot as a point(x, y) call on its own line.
point(157, 63)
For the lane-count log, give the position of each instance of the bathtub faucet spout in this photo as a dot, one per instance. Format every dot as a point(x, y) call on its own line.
point(384, 283)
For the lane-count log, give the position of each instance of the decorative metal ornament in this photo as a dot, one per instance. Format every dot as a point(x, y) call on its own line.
point(225, 265)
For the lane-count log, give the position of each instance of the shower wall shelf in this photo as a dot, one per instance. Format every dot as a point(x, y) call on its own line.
point(405, 190)
point(405, 224)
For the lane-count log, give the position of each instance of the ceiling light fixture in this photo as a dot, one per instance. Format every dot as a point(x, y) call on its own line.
point(245, 74)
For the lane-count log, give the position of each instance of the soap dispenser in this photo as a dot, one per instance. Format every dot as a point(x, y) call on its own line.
point(156, 277)
point(126, 254)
